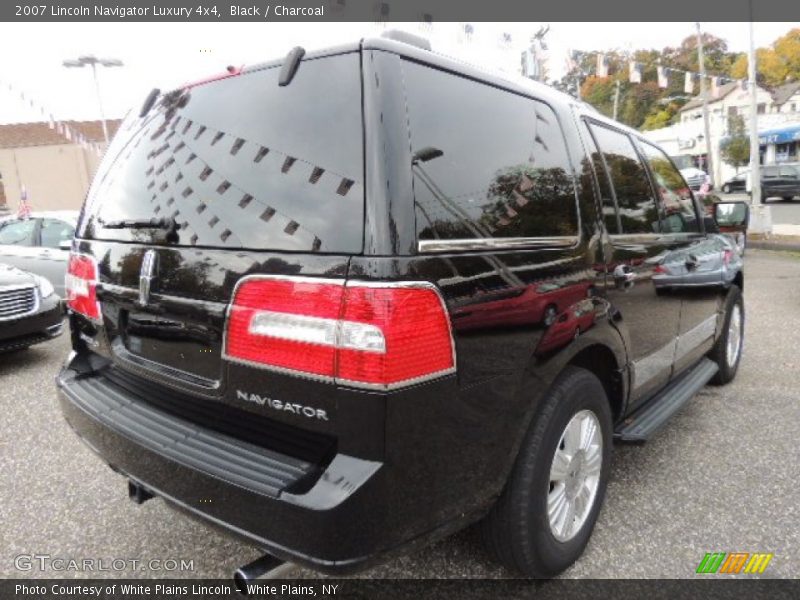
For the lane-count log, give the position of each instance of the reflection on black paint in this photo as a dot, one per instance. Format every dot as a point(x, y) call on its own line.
point(489, 163)
point(247, 148)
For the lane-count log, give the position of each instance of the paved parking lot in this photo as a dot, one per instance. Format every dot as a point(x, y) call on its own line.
point(722, 476)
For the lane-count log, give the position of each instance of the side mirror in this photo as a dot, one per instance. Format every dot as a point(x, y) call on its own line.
point(65, 245)
point(732, 216)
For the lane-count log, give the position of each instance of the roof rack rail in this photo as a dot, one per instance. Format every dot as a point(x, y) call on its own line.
point(407, 38)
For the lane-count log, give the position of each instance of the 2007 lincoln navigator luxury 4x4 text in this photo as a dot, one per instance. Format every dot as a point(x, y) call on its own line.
point(353, 300)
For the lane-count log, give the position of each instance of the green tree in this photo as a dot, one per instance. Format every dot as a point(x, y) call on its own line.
point(645, 105)
point(778, 64)
point(736, 149)
point(718, 60)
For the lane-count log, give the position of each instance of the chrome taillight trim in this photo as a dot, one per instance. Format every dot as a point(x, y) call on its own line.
point(348, 283)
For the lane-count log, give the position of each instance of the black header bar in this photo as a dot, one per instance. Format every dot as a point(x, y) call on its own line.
point(67, 11)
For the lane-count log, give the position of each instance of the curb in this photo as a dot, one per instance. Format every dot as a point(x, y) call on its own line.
point(774, 245)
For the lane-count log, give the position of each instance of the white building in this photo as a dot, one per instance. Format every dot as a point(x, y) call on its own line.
point(778, 114)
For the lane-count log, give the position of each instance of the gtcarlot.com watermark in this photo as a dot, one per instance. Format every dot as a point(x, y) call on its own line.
point(47, 562)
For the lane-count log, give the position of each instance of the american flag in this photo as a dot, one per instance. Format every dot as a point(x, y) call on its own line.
point(24, 210)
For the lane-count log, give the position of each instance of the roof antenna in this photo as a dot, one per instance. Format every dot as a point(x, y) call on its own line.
point(290, 65)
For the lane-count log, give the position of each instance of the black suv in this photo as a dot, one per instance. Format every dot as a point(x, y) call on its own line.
point(354, 300)
point(776, 181)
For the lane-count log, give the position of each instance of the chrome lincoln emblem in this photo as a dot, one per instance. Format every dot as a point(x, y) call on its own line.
point(146, 276)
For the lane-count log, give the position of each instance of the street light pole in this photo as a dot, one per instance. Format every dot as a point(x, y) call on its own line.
point(755, 162)
point(100, 102)
point(700, 59)
point(93, 61)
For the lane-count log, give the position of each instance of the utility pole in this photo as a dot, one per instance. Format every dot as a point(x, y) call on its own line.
point(755, 167)
point(93, 61)
point(616, 99)
point(709, 162)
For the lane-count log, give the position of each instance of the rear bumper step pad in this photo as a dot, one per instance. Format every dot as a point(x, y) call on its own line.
point(221, 456)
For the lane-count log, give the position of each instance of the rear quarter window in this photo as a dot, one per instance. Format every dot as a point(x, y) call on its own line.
point(244, 163)
point(494, 164)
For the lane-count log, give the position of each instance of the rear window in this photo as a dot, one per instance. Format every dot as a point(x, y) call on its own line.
point(244, 163)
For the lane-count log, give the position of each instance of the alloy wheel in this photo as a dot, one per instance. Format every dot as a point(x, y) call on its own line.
point(575, 475)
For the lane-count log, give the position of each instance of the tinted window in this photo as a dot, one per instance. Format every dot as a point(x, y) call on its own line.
point(244, 163)
point(637, 208)
point(18, 233)
point(604, 185)
point(788, 172)
point(676, 198)
point(494, 163)
point(769, 173)
point(55, 231)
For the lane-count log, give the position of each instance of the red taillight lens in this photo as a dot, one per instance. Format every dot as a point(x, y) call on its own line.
point(81, 286)
point(726, 257)
point(415, 329)
point(287, 324)
point(369, 335)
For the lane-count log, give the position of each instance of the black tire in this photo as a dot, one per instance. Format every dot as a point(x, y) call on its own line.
point(787, 198)
point(15, 350)
point(550, 314)
point(517, 530)
point(719, 353)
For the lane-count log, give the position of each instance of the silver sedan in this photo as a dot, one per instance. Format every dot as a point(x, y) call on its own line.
point(39, 244)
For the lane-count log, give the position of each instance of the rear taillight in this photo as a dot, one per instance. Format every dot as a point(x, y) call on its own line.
point(379, 335)
point(726, 257)
point(81, 286)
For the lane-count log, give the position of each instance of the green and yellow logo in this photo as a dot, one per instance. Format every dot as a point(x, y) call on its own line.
point(734, 562)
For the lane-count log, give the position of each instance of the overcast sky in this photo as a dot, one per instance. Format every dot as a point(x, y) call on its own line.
point(165, 55)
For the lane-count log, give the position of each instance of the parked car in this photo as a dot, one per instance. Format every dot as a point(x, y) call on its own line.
point(694, 177)
point(30, 311)
point(315, 225)
point(715, 262)
point(39, 244)
point(781, 181)
point(737, 183)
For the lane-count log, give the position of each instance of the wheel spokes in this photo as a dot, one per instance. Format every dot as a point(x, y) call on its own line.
point(572, 436)
point(575, 475)
point(559, 469)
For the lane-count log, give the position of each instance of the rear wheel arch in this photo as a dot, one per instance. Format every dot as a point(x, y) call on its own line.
point(602, 357)
point(602, 363)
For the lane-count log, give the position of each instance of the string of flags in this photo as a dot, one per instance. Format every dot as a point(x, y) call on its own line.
point(663, 74)
point(70, 133)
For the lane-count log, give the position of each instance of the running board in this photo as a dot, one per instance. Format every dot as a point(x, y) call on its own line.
point(645, 421)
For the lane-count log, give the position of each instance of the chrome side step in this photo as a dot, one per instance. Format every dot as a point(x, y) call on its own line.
point(646, 420)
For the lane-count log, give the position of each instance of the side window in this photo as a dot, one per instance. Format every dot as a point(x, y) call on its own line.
point(55, 231)
point(18, 233)
point(610, 215)
point(769, 173)
point(676, 198)
point(487, 163)
point(788, 173)
point(635, 202)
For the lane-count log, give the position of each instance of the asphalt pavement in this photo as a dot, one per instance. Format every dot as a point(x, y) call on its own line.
point(721, 476)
